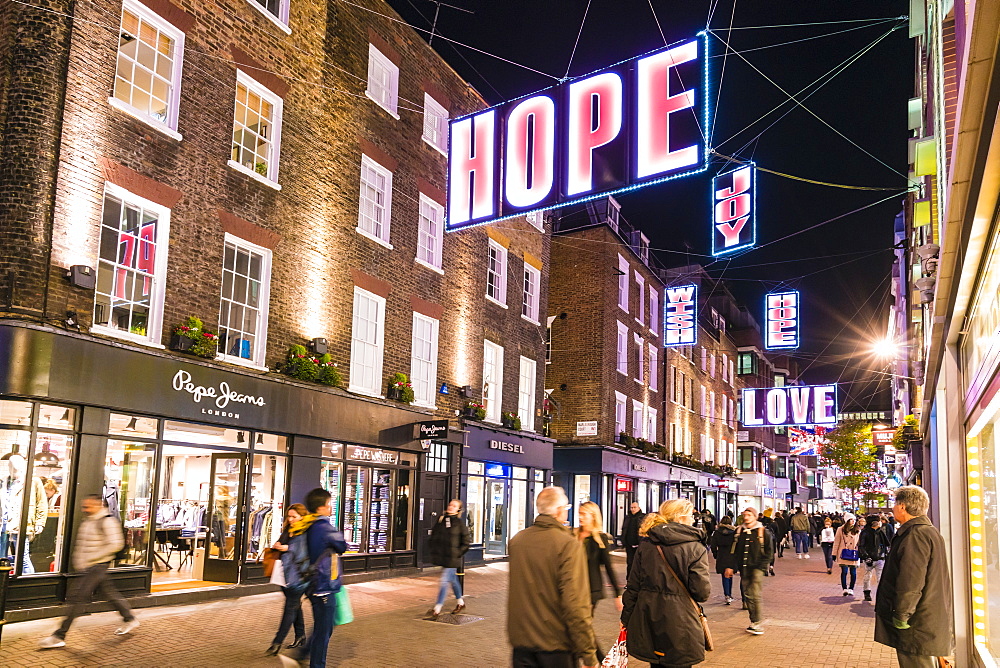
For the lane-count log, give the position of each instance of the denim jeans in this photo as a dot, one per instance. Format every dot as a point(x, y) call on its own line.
point(449, 576)
point(291, 615)
point(324, 607)
point(801, 540)
point(871, 574)
point(827, 554)
point(727, 587)
point(853, 570)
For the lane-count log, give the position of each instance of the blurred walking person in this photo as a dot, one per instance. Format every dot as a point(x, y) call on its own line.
point(751, 552)
point(549, 623)
point(630, 533)
point(448, 544)
point(671, 568)
point(780, 532)
point(597, 547)
point(913, 604)
point(873, 548)
point(98, 539)
point(800, 533)
point(722, 544)
point(291, 614)
point(845, 550)
point(826, 538)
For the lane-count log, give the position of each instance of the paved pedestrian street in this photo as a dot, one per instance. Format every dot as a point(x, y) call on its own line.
point(808, 624)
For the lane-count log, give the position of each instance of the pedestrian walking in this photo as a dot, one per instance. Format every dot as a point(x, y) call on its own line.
point(98, 539)
point(845, 550)
point(549, 622)
point(913, 610)
point(448, 544)
point(291, 614)
point(826, 538)
point(873, 547)
point(800, 533)
point(752, 553)
point(597, 547)
point(630, 533)
point(722, 543)
point(768, 523)
point(322, 540)
point(708, 523)
point(671, 568)
point(780, 532)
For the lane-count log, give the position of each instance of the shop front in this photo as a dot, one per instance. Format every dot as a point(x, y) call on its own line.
point(502, 472)
point(200, 465)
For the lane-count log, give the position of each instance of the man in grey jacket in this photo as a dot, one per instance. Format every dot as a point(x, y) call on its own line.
point(98, 538)
point(913, 603)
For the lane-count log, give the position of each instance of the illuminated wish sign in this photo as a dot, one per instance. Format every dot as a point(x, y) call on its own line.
point(640, 122)
point(782, 320)
point(680, 311)
point(791, 405)
point(734, 210)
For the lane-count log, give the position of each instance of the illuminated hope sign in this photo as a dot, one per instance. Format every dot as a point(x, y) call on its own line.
point(680, 311)
point(640, 122)
point(734, 210)
point(794, 404)
point(782, 320)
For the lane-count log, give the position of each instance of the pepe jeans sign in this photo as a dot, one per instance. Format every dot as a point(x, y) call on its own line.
point(373, 455)
point(222, 396)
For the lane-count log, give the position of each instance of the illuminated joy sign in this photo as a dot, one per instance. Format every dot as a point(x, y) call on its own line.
point(782, 320)
point(734, 207)
point(634, 124)
point(680, 311)
point(791, 405)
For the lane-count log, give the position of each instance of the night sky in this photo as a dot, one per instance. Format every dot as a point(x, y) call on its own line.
point(842, 268)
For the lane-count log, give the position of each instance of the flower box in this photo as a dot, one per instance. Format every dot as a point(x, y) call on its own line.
point(180, 343)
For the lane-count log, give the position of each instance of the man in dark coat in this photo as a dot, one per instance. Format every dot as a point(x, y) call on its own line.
point(448, 544)
point(873, 547)
point(752, 551)
point(913, 603)
point(630, 534)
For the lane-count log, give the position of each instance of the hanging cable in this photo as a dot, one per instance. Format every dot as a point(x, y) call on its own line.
point(801, 178)
point(812, 37)
point(577, 42)
point(722, 76)
point(824, 23)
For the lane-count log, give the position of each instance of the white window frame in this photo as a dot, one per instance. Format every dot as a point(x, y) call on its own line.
point(654, 314)
point(416, 363)
point(532, 277)
point(724, 366)
point(711, 406)
point(154, 323)
point(435, 124)
point(732, 372)
point(526, 382)
point(704, 358)
point(621, 406)
point(280, 19)
point(168, 126)
point(651, 418)
point(375, 389)
point(257, 357)
point(640, 373)
point(623, 280)
point(492, 386)
point(703, 446)
point(640, 282)
point(638, 419)
point(711, 365)
point(387, 98)
point(386, 231)
point(654, 372)
point(704, 402)
point(277, 104)
point(430, 242)
point(501, 273)
point(622, 349)
point(687, 442)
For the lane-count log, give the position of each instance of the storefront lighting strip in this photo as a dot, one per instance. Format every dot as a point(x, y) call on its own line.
point(976, 542)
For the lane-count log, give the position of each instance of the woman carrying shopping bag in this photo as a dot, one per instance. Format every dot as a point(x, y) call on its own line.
point(291, 614)
point(661, 615)
point(597, 545)
point(845, 549)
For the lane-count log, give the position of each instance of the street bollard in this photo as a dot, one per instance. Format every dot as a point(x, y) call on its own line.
point(5, 569)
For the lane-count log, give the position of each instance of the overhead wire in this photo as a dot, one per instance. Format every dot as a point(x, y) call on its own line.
point(823, 23)
point(802, 178)
point(572, 54)
point(807, 39)
point(722, 76)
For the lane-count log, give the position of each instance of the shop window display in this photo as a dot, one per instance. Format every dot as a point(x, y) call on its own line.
point(983, 493)
point(475, 507)
point(355, 503)
point(267, 496)
point(129, 471)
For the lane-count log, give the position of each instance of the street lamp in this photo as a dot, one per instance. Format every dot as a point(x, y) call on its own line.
point(885, 348)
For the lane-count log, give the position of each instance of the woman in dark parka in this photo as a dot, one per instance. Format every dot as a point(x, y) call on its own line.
point(448, 544)
point(664, 627)
point(722, 543)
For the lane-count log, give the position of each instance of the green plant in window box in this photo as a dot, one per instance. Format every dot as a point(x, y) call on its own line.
point(139, 329)
point(400, 388)
point(475, 410)
point(510, 420)
point(627, 440)
point(192, 337)
point(302, 365)
point(261, 168)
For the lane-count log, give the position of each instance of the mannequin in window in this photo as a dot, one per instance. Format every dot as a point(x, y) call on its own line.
point(12, 489)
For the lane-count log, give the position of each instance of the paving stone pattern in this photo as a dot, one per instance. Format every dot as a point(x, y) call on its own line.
point(809, 624)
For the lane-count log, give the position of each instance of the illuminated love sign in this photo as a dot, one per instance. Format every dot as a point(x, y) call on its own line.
point(680, 316)
point(733, 210)
point(791, 405)
point(631, 125)
point(782, 320)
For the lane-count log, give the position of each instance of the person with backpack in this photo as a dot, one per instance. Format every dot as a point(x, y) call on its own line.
point(291, 614)
point(311, 568)
point(752, 552)
point(99, 541)
point(448, 543)
point(873, 548)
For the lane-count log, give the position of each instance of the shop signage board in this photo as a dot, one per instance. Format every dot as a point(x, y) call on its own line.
point(782, 320)
point(742, 436)
point(623, 485)
point(790, 405)
point(431, 430)
point(688, 484)
point(639, 122)
point(680, 315)
point(374, 455)
point(586, 428)
point(734, 210)
point(882, 438)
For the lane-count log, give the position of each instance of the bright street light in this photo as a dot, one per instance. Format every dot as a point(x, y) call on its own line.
point(885, 348)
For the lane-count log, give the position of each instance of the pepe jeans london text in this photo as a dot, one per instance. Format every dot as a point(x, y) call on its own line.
point(222, 395)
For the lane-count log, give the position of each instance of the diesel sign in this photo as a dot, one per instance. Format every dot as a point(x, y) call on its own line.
point(506, 447)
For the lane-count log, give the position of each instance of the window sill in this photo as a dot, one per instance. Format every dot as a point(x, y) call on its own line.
point(369, 235)
point(274, 19)
point(379, 103)
point(432, 407)
point(435, 147)
point(364, 392)
point(624, 373)
point(126, 336)
point(623, 308)
point(254, 175)
point(129, 110)
point(497, 302)
point(532, 321)
point(428, 265)
point(239, 361)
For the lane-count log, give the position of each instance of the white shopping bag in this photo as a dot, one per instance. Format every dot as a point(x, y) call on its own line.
point(278, 574)
point(617, 656)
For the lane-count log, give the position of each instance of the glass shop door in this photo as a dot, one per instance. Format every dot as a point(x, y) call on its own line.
point(224, 517)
